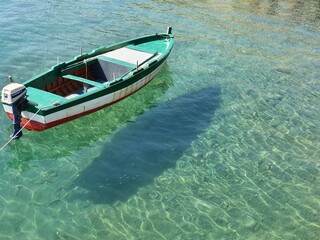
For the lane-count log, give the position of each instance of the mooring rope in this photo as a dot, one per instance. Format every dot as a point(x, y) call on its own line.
point(13, 137)
point(53, 104)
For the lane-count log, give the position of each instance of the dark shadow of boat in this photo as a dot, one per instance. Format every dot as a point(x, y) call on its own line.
point(145, 148)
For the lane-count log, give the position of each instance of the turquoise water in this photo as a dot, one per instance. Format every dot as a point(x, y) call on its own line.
point(223, 144)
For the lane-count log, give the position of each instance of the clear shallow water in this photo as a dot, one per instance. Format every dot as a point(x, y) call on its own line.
point(245, 163)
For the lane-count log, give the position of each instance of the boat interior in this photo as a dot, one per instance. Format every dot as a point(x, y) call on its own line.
point(97, 72)
point(86, 76)
point(100, 71)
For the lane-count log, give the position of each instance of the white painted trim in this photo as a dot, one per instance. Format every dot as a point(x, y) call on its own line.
point(128, 55)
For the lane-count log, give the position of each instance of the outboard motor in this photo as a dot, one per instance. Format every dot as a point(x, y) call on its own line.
point(14, 94)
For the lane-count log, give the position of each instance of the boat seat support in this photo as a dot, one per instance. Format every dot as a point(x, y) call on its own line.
point(84, 80)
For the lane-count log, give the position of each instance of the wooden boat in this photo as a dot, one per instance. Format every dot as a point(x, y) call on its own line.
point(87, 83)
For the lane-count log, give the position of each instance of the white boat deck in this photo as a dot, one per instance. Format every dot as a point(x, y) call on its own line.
point(128, 55)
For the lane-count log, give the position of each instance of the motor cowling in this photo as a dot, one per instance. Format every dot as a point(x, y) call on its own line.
point(13, 93)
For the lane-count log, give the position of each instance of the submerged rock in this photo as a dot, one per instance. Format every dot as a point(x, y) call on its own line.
point(283, 69)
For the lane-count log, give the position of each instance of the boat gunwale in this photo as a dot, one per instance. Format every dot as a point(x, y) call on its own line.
point(96, 93)
point(99, 51)
point(134, 75)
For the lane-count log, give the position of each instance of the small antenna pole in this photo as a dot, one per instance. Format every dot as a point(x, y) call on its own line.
point(10, 79)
